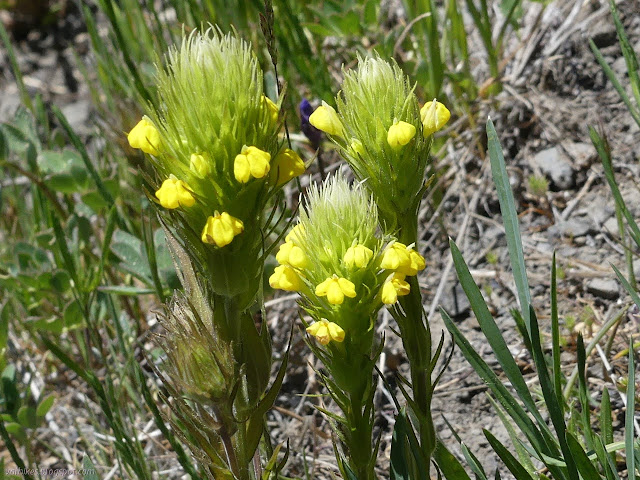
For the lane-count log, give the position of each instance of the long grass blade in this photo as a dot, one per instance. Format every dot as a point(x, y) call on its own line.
point(629, 418)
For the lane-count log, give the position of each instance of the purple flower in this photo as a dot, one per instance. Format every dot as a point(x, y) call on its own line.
point(312, 133)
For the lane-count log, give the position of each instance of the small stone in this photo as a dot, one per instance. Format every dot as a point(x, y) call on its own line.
point(583, 154)
point(606, 288)
point(77, 114)
point(574, 227)
point(455, 302)
point(555, 166)
point(611, 226)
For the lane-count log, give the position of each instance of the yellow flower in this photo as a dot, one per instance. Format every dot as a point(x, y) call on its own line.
point(221, 229)
point(252, 162)
point(400, 133)
point(272, 109)
point(175, 193)
point(416, 263)
point(287, 165)
point(395, 256)
point(434, 116)
point(394, 287)
point(326, 119)
point(285, 278)
point(146, 137)
point(335, 289)
point(295, 235)
point(325, 331)
point(358, 256)
point(199, 164)
point(290, 254)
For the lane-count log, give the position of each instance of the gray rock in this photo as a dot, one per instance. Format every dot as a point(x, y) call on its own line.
point(574, 227)
point(583, 154)
point(606, 288)
point(555, 166)
point(77, 114)
point(455, 302)
point(611, 226)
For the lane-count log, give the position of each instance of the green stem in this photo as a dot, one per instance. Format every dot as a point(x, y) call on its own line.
point(359, 438)
point(416, 338)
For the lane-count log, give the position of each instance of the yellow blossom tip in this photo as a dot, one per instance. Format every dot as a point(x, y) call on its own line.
point(221, 229)
point(145, 136)
point(285, 278)
point(287, 165)
point(326, 119)
point(290, 254)
point(326, 331)
point(434, 116)
point(175, 193)
point(251, 162)
point(199, 164)
point(335, 289)
point(400, 133)
point(358, 256)
point(394, 287)
point(272, 108)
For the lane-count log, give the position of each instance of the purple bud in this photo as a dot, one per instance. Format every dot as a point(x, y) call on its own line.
point(312, 133)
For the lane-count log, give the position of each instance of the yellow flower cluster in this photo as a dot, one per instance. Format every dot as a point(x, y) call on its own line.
point(392, 266)
point(251, 162)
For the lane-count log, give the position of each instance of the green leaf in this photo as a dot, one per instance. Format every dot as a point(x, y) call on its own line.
point(44, 406)
point(73, 315)
point(129, 250)
point(582, 462)
point(448, 463)
point(27, 417)
point(510, 220)
point(400, 459)
point(629, 424)
point(90, 471)
point(126, 290)
point(514, 466)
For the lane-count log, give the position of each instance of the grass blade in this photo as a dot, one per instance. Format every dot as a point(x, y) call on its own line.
point(510, 220)
point(509, 460)
point(555, 336)
point(582, 462)
point(629, 418)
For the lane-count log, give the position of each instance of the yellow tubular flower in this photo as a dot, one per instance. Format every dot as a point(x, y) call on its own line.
point(335, 289)
point(394, 287)
point(295, 235)
point(395, 256)
point(199, 164)
point(400, 133)
point(358, 256)
point(325, 331)
point(175, 193)
point(146, 137)
point(290, 254)
point(221, 229)
point(416, 263)
point(251, 162)
point(285, 278)
point(272, 108)
point(325, 118)
point(288, 165)
point(434, 116)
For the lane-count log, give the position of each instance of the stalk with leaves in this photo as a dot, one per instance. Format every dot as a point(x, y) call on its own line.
point(385, 136)
point(219, 164)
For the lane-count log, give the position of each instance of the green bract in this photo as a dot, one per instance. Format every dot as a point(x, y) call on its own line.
point(375, 97)
point(218, 135)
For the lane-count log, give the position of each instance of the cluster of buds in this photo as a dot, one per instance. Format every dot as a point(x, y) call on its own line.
point(214, 144)
point(383, 134)
point(338, 263)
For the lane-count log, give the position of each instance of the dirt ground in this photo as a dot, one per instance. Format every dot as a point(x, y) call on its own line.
point(553, 91)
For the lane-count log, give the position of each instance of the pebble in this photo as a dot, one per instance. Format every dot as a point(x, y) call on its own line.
point(455, 302)
point(606, 288)
point(574, 227)
point(555, 166)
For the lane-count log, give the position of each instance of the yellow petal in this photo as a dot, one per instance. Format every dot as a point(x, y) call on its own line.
point(323, 288)
point(175, 193)
point(347, 287)
point(434, 116)
point(335, 296)
point(288, 165)
point(272, 109)
point(285, 278)
point(146, 137)
point(199, 164)
point(395, 256)
point(416, 264)
point(258, 162)
point(241, 168)
point(358, 256)
point(400, 133)
point(295, 235)
point(389, 294)
point(325, 118)
point(221, 229)
point(335, 332)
